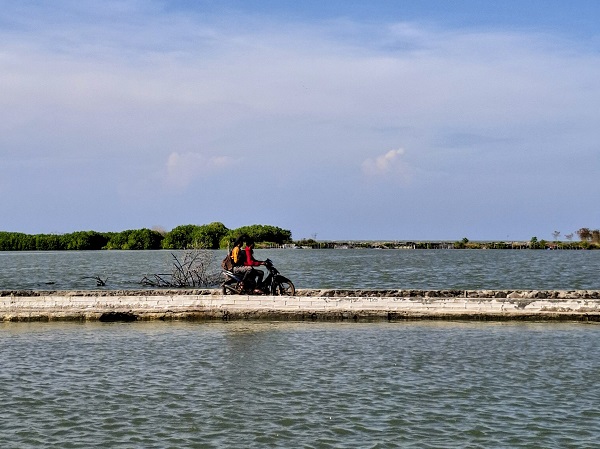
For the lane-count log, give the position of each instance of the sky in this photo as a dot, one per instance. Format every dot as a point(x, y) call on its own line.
point(345, 119)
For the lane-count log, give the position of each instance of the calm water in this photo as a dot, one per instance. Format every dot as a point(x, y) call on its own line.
point(393, 269)
point(309, 385)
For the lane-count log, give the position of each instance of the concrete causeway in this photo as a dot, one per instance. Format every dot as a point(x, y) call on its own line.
point(322, 305)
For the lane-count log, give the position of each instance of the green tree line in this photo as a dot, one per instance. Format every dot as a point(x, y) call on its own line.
point(210, 236)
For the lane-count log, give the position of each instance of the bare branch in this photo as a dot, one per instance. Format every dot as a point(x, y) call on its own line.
point(192, 270)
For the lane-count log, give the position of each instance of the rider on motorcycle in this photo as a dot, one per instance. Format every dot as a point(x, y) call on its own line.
point(251, 262)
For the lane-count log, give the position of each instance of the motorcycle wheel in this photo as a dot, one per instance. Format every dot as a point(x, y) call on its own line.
point(284, 287)
point(228, 290)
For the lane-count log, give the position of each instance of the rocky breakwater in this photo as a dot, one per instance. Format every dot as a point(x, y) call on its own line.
point(330, 305)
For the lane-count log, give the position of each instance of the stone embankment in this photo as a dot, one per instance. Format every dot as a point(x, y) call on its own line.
point(326, 305)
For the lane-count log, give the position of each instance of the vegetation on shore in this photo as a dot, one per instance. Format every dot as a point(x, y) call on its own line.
point(210, 236)
point(216, 235)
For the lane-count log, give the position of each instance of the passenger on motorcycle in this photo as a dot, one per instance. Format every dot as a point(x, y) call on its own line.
point(238, 257)
point(251, 262)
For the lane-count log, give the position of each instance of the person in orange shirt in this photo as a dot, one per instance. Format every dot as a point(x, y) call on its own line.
point(238, 257)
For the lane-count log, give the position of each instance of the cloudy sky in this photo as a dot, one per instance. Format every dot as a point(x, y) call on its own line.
point(346, 119)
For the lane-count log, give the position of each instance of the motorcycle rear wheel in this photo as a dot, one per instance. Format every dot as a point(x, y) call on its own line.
point(228, 290)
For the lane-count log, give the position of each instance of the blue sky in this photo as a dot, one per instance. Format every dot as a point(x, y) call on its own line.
point(341, 120)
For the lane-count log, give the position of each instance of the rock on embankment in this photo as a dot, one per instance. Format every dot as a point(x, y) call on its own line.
point(331, 304)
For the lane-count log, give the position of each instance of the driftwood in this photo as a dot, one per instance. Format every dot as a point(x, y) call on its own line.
point(157, 280)
point(193, 270)
point(99, 281)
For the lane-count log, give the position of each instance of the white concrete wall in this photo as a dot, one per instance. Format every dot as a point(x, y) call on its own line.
point(61, 304)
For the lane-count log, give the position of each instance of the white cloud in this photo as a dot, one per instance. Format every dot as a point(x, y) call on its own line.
point(389, 164)
point(184, 168)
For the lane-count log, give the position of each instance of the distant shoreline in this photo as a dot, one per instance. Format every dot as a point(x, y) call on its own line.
point(375, 244)
point(438, 244)
point(217, 236)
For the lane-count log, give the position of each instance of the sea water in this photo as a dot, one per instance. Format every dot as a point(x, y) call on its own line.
point(358, 268)
point(306, 385)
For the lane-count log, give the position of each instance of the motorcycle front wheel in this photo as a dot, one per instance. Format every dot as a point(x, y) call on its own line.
point(284, 287)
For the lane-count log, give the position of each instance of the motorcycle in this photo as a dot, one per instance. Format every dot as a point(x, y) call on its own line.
point(275, 284)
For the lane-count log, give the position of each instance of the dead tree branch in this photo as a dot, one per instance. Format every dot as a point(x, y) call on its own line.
point(193, 270)
point(99, 281)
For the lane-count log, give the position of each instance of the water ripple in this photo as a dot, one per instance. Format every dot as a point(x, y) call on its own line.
point(156, 385)
point(388, 269)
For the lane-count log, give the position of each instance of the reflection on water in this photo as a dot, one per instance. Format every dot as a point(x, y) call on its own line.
point(380, 269)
